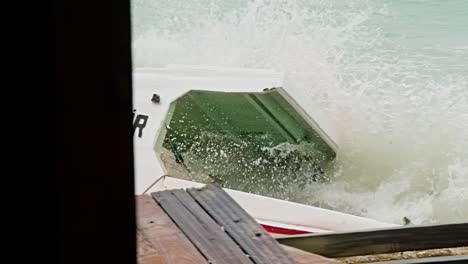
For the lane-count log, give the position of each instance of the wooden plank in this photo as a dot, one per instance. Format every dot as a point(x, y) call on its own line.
point(243, 229)
point(159, 240)
point(148, 252)
point(203, 232)
point(345, 244)
point(414, 254)
point(432, 260)
point(302, 257)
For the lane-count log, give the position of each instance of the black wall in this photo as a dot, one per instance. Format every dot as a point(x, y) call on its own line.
point(94, 159)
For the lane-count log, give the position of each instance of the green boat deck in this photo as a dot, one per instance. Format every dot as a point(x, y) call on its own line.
point(255, 142)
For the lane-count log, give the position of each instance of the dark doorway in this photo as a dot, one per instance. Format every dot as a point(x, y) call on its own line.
point(94, 151)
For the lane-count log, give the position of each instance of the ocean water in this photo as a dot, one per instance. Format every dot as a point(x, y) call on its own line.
point(392, 75)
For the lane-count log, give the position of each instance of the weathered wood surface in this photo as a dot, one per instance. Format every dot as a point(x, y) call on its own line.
point(240, 226)
point(159, 240)
point(426, 253)
point(203, 232)
point(380, 241)
point(433, 260)
point(303, 257)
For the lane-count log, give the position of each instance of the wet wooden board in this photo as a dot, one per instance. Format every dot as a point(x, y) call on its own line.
point(345, 244)
point(203, 232)
point(433, 260)
point(240, 226)
point(159, 240)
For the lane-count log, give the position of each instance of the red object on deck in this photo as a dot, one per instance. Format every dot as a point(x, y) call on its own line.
point(283, 231)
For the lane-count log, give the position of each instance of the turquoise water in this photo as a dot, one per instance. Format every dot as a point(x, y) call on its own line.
point(392, 75)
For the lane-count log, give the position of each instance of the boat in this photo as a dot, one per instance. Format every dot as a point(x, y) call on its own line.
point(243, 130)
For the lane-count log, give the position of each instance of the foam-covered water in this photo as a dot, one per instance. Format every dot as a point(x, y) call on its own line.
point(391, 75)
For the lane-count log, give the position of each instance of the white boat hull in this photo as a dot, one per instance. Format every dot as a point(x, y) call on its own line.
point(283, 218)
point(280, 218)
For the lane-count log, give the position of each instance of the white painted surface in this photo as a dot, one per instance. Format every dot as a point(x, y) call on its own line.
point(174, 81)
point(170, 83)
point(283, 213)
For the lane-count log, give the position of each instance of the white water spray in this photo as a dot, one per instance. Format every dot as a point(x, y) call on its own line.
point(401, 115)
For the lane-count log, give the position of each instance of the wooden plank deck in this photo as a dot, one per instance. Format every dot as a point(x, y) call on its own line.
point(207, 226)
point(200, 228)
point(159, 240)
point(241, 227)
point(173, 228)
